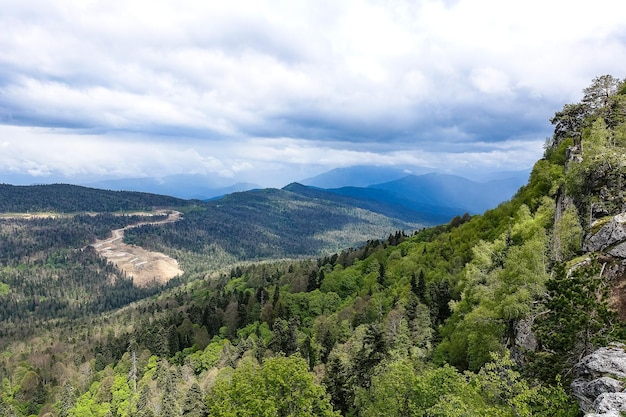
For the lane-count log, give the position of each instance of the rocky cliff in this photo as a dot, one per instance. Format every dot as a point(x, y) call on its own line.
point(599, 386)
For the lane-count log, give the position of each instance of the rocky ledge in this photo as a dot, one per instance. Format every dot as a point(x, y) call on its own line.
point(611, 236)
point(599, 386)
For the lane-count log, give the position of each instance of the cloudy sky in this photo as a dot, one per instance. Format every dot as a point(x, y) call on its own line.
point(275, 91)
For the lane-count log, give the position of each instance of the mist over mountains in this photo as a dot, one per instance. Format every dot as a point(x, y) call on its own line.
point(418, 192)
point(187, 186)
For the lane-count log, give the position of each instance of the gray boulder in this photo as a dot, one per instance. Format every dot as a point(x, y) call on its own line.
point(525, 340)
point(611, 233)
point(610, 402)
point(609, 414)
point(592, 389)
point(598, 386)
point(619, 251)
point(605, 361)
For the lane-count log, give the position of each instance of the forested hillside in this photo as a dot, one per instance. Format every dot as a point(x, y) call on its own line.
point(269, 223)
point(484, 316)
point(47, 271)
point(67, 198)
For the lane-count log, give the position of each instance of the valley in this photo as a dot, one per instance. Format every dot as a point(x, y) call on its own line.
point(354, 306)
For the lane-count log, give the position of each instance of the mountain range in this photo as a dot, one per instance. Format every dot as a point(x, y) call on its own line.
point(187, 186)
point(297, 220)
point(410, 195)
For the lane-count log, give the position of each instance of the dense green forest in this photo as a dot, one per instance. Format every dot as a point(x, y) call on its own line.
point(67, 198)
point(268, 223)
point(419, 324)
point(47, 271)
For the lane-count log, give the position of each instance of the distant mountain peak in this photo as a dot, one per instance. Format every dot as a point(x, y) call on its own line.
point(360, 176)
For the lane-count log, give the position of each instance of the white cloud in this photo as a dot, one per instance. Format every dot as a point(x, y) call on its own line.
point(232, 87)
point(44, 152)
point(490, 81)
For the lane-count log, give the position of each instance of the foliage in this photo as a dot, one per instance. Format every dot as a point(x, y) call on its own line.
point(567, 235)
point(44, 273)
point(502, 281)
point(577, 318)
point(399, 389)
point(267, 224)
point(66, 198)
point(279, 387)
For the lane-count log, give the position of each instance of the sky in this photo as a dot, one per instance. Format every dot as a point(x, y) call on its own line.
point(271, 92)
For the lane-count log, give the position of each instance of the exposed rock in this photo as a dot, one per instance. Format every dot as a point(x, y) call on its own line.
point(609, 414)
point(598, 211)
point(592, 389)
point(615, 274)
point(598, 387)
point(573, 154)
point(619, 251)
point(603, 385)
point(525, 340)
point(563, 202)
point(610, 402)
point(580, 392)
point(610, 234)
point(604, 361)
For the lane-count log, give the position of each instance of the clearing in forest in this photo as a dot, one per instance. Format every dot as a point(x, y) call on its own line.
point(142, 265)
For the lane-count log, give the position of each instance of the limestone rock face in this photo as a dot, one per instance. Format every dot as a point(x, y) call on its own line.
point(610, 402)
point(619, 251)
point(598, 386)
point(609, 360)
point(610, 234)
point(609, 414)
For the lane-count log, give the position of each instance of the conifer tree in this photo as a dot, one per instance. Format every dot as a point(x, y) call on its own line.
point(194, 402)
point(577, 318)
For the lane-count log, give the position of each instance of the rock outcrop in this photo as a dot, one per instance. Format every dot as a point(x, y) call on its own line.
point(525, 340)
point(599, 385)
point(611, 234)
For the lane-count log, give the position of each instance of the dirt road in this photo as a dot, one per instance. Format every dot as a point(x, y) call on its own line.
point(143, 265)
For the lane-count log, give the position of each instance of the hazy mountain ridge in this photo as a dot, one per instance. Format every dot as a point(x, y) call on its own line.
point(186, 186)
point(411, 194)
point(358, 176)
point(382, 201)
point(368, 175)
point(443, 190)
point(434, 198)
point(206, 187)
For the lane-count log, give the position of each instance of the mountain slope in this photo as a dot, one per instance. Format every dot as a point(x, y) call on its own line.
point(451, 191)
point(357, 176)
point(432, 198)
point(380, 201)
point(484, 316)
point(72, 198)
point(270, 223)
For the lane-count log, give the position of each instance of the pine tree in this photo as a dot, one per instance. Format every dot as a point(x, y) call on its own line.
point(194, 405)
point(169, 404)
point(144, 398)
point(373, 351)
point(577, 318)
point(382, 273)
